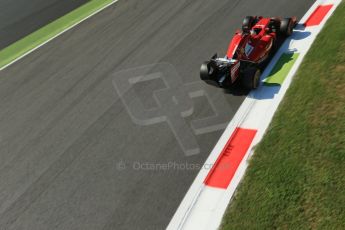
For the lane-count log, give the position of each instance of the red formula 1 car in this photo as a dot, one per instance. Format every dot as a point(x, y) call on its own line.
point(248, 52)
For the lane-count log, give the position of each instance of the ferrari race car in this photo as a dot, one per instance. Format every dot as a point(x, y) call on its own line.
point(248, 52)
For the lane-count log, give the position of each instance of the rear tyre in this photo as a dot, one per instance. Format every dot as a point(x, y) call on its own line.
point(204, 71)
point(286, 27)
point(248, 23)
point(251, 78)
point(207, 74)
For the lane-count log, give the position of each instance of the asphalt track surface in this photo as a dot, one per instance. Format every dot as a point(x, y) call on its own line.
point(65, 132)
point(21, 17)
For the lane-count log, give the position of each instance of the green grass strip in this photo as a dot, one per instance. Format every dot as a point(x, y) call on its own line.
point(281, 69)
point(30, 42)
point(296, 178)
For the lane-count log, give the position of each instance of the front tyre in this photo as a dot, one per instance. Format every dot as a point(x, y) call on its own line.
point(286, 27)
point(248, 23)
point(251, 78)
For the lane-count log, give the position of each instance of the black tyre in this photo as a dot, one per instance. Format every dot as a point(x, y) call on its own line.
point(207, 74)
point(251, 78)
point(248, 23)
point(274, 24)
point(204, 71)
point(286, 27)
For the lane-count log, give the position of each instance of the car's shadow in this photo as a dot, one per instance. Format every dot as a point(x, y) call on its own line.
point(236, 90)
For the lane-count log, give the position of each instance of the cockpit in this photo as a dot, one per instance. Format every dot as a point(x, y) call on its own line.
point(255, 31)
